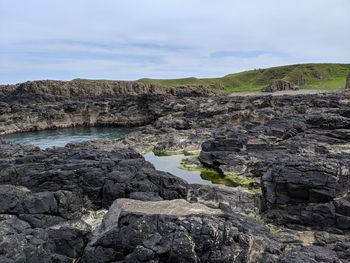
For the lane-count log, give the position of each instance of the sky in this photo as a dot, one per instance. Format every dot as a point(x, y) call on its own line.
point(132, 39)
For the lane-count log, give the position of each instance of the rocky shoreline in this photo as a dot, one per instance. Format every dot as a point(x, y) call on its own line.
point(100, 201)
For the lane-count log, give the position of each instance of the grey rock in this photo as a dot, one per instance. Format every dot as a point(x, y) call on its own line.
point(100, 176)
point(177, 231)
point(347, 84)
point(311, 254)
point(51, 200)
point(280, 85)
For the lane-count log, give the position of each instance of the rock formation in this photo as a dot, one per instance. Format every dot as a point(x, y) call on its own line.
point(303, 164)
point(347, 85)
point(102, 202)
point(280, 85)
point(177, 231)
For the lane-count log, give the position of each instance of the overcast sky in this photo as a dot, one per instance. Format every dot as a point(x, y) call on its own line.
point(131, 39)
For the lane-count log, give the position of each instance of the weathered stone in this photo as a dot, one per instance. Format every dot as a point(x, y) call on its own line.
point(177, 231)
point(280, 85)
point(237, 200)
point(52, 200)
point(347, 84)
point(302, 161)
point(99, 175)
point(311, 254)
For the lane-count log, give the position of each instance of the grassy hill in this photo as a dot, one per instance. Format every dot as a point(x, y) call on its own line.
point(306, 76)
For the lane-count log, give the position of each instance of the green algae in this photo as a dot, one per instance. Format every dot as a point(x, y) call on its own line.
point(209, 174)
point(240, 180)
point(220, 178)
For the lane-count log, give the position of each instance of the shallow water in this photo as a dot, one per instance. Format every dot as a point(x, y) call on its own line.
point(170, 164)
point(60, 137)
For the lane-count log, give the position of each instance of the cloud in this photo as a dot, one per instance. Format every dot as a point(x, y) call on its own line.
point(174, 38)
point(43, 54)
point(238, 54)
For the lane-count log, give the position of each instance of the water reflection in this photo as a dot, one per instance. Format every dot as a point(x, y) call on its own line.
point(170, 164)
point(60, 137)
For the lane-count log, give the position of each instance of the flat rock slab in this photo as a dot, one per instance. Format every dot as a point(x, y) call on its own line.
point(178, 207)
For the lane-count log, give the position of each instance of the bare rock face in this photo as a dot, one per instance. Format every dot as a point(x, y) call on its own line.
point(280, 85)
point(177, 231)
point(102, 176)
point(47, 104)
point(229, 199)
point(53, 90)
point(47, 198)
point(311, 254)
point(302, 160)
point(52, 201)
point(347, 85)
point(42, 226)
point(308, 191)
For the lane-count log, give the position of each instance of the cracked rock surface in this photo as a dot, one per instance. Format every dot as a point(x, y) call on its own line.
point(102, 202)
point(177, 231)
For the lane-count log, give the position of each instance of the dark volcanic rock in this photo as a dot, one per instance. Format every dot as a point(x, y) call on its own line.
point(216, 152)
point(20, 242)
point(311, 254)
point(41, 227)
point(303, 161)
point(101, 176)
point(176, 231)
point(46, 196)
point(229, 199)
point(52, 90)
point(40, 105)
point(52, 201)
point(306, 180)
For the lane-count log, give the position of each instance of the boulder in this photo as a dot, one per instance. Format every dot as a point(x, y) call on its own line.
point(41, 227)
point(177, 231)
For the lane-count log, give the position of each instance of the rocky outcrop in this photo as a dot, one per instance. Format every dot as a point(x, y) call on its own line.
point(303, 163)
point(52, 203)
point(347, 84)
point(295, 148)
point(177, 231)
point(54, 90)
point(126, 111)
point(309, 192)
point(99, 175)
point(280, 85)
point(42, 226)
point(311, 254)
point(40, 105)
point(49, 200)
point(229, 199)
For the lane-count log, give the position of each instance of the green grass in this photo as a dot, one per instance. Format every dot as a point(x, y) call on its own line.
point(307, 76)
